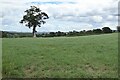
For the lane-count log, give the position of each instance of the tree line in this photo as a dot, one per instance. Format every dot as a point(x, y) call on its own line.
point(104, 30)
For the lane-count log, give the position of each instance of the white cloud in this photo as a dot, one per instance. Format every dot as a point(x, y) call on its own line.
point(97, 18)
point(111, 25)
point(84, 14)
point(110, 17)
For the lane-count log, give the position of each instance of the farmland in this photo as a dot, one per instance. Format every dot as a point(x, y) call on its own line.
point(61, 57)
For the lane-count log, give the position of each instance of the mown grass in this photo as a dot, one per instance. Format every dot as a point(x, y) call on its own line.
point(61, 57)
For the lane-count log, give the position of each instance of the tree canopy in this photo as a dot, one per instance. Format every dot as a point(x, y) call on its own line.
point(34, 17)
point(106, 30)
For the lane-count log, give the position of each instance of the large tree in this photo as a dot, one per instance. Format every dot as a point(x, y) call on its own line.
point(34, 17)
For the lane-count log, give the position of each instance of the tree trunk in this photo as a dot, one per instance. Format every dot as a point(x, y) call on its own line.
point(34, 31)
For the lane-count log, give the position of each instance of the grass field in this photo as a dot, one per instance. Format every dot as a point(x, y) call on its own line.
point(61, 57)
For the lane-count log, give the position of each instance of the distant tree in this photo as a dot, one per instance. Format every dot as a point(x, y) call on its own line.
point(52, 34)
point(89, 32)
point(58, 33)
point(75, 33)
point(84, 31)
point(81, 32)
point(106, 30)
point(4, 34)
point(34, 17)
point(63, 33)
point(70, 33)
point(97, 31)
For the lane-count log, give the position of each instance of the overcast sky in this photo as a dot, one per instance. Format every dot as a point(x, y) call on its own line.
point(65, 15)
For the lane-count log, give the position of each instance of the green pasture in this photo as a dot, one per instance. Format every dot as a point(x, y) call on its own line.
point(61, 57)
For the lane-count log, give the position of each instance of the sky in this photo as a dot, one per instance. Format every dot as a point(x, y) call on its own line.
point(64, 15)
